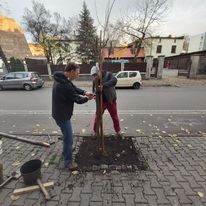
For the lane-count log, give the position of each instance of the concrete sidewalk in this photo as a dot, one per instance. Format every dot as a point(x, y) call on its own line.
point(172, 82)
point(176, 175)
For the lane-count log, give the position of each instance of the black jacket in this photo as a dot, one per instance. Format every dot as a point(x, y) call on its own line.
point(109, 81)
point(64, 95)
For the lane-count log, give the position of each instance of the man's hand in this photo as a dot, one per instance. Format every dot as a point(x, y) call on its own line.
point(99, 88)
point(89, 95)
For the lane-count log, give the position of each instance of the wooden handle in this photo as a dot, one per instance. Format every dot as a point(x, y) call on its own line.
point(46, 194)
point(6, 181)
point(45, 144)
point(21, 191)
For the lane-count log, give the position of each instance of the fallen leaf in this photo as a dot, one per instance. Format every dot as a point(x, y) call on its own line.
point(169, 119)
point(32, 154)
point(54, 132)
point(178, 141)
point(104, 172)
point(189, 145)
point(126, 128)
point(121, 120)
point(138, 130)
point(144, 121)
point(14, 125)
point(149, 125)
point(164, 132)
point(37, 125)
point(15, 197)
point(83, 131)
point(46, 164)
point(118, 155)
point(200, 194)
point(16, 163)
point(75, 172)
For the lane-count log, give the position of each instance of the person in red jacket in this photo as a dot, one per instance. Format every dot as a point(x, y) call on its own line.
point(64, 95)
point(109, 99)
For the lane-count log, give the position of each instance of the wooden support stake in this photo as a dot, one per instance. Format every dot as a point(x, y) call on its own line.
point(32, 188)
point(45, 144)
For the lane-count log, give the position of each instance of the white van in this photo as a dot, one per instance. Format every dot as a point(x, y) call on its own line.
point(129, 79)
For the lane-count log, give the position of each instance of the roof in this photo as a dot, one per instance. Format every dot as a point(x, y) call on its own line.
point(166, 37)
point(122, 52)
point(12, 40)
point(36, 50)
point(9, 24)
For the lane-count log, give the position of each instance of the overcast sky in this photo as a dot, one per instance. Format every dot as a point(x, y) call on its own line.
point(185, 16)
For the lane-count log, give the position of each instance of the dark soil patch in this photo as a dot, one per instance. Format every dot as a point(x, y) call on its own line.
point(121, 154)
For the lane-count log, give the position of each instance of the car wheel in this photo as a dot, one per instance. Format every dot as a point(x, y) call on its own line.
point(1, 88)
point(136, 85)
point(27, 87)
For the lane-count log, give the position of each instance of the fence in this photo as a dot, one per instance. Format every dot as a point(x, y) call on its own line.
point(42, 68)
point(183, 63)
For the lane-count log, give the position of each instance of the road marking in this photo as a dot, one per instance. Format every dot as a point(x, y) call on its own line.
point(92, 112)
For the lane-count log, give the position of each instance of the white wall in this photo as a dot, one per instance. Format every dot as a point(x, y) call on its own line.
point(197, 43)
point(167, 43)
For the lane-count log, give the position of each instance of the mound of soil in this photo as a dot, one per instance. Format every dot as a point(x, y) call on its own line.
point(120, 154)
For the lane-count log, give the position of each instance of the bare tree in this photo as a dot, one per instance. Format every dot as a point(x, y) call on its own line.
point(51, 31)
point(140, 23)
point(104, 37)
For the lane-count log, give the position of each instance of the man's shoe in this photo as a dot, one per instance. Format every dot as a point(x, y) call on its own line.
point(72, 166)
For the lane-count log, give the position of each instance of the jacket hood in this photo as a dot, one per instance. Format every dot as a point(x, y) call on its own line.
point(60, 77)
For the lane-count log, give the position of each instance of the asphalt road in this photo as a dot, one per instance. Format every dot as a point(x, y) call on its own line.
point(148, 111)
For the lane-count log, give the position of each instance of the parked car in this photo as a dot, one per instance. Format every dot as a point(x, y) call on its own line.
point(21, 80)
point(129, 79)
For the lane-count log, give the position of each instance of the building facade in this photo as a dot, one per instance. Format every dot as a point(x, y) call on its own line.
point(197, 43)
point(167, 46)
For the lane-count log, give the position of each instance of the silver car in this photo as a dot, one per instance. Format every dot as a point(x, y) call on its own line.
point(21, 80)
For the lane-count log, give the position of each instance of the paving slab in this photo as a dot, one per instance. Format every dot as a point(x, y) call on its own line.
point(174, 178)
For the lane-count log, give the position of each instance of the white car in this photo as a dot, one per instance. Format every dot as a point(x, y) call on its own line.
point(129, 79)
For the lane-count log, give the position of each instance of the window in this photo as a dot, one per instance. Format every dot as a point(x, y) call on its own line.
point(10, 76)
point(159, 49)
point(35, 75)
point(132, 74)
point(123, 75)
point(19, 75)
point(173, 49)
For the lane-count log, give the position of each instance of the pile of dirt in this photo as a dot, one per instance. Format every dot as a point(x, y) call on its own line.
point(119, 152)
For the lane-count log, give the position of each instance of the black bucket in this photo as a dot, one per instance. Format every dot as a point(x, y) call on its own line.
point(30, 171)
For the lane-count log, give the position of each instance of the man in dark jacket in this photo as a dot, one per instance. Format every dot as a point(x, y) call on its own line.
point(109, 98)
point(64, 95)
